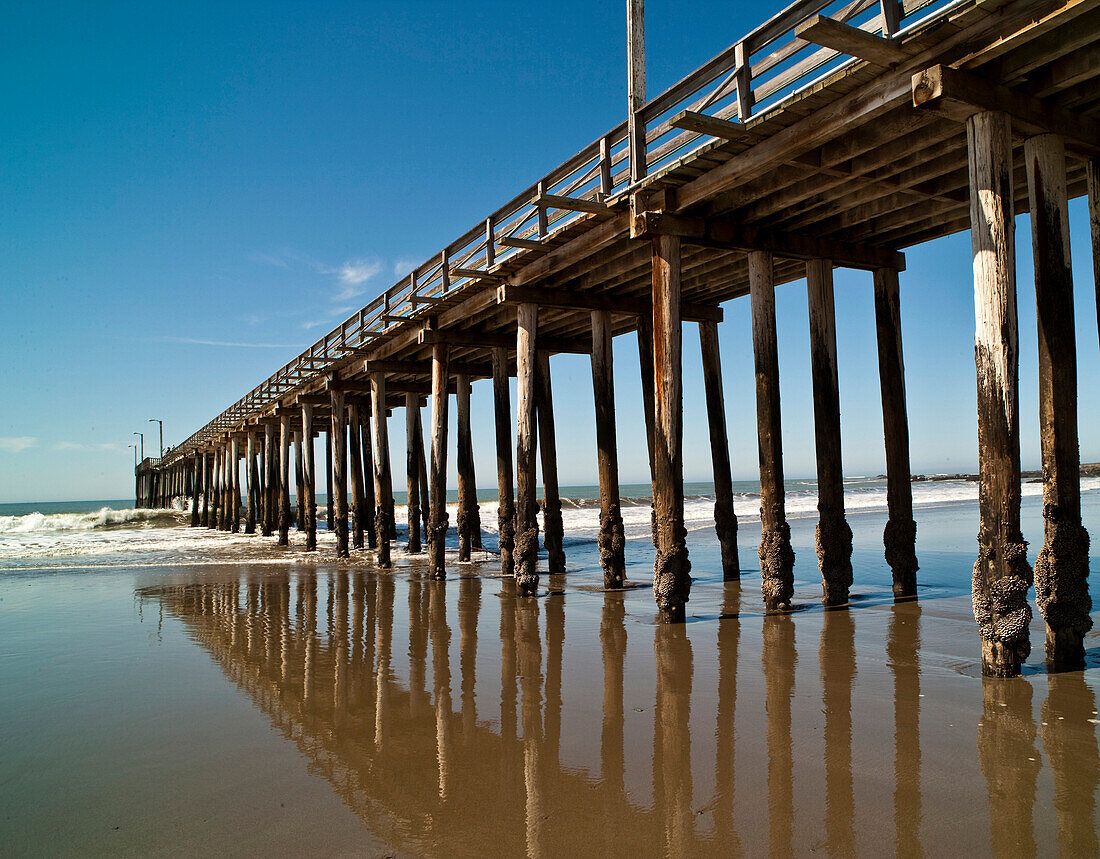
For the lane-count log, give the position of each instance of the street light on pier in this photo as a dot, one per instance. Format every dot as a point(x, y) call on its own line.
point(141, 435)
point(158, 421)
point(134, 446)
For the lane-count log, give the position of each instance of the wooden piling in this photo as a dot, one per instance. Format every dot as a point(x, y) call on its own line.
point(469, 518)
point(195, 490)
point(776, 555)
point(383, 479)
point(437, 530)
point(330, 505)
point(234, 477)
point(611, 539)
point(725, 519)
point(366, 445)
point(425, 495)
point(526, 551)
point(207, 468)
point(900, 535)
point(299, 491)
point(338, 494)
point(249, 464)
point(1062, 566)
point(284, 480)
point(412, 470)
point(1092, 180)
point(671, 568)
point(309, 478)
point(355, 468)
point(256, 483)
point(217, 513)
point(645, 363)
point(271, 479)
point(1002, 575)
point(833, 537)
point(506, 503)
point(553, 529)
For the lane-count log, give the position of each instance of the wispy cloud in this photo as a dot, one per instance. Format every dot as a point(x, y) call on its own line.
point(261, 258)
point(89, 446)
point(403, 266)
point(233, 344)
point(17, 444)
point(351, 276)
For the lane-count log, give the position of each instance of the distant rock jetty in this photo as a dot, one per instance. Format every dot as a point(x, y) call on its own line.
point(1088, 469)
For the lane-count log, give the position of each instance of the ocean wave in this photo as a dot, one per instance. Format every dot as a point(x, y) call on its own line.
point(102, 519)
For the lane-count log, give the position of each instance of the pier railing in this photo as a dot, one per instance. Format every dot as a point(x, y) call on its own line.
point(753, 77)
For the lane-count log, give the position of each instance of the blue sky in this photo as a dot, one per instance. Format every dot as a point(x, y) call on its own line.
point(195, 192)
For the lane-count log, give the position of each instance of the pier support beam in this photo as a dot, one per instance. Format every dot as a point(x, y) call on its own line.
point(1002, 575)
point(506, 509)
point(355, 467)
point(469, 517)
point(1092, 179)
point(207, 469)
point(299, 488)
point(383, 479)
point(776, 554)
point(250, 482)
point(235, 485)
point(284, 480)
point(671, 568)
point(553, 536)
point(195, 483)
point(900, 534)
point(725, 520)
point(527, 525)
point(366, 448)
point(645, 362)
point(330, 506)
point(611, 539)
point(1062, 566)
point(309, 478)
point(338, 494)
point(270, 479)
point(833, 537)
point(218, 513)
point(437, 530)
point(412, 470)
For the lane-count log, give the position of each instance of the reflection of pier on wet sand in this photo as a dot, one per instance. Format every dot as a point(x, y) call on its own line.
point(448, 742)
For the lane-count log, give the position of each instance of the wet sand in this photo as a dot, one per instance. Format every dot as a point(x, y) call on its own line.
point(329, 709)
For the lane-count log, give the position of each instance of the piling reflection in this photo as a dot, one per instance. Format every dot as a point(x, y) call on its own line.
point(390, 688)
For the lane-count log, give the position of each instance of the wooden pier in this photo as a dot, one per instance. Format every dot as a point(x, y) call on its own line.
point(833, 135)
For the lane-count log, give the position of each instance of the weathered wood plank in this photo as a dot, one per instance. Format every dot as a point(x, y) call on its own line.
point(555, 297)
point(846, 39)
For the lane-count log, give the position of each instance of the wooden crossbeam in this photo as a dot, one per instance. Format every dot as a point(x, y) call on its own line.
point(487, 340)
point(846, 39)
point(424, 368)
point(729, 234)
point(552, 297)
point(690, 120)
point(959, 95)
point(474, 274)
point(312, 400)
point(424, 299)
point(524, 244)
point(392, 318)
point(573, 204)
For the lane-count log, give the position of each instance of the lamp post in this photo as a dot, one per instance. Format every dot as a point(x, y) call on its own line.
point(158, 421)
point(134, 446)
point(141, 435)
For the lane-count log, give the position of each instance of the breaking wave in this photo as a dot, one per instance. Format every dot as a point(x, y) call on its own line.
point(103, 519)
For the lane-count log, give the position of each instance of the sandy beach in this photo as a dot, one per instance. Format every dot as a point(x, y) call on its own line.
point(328, 709)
